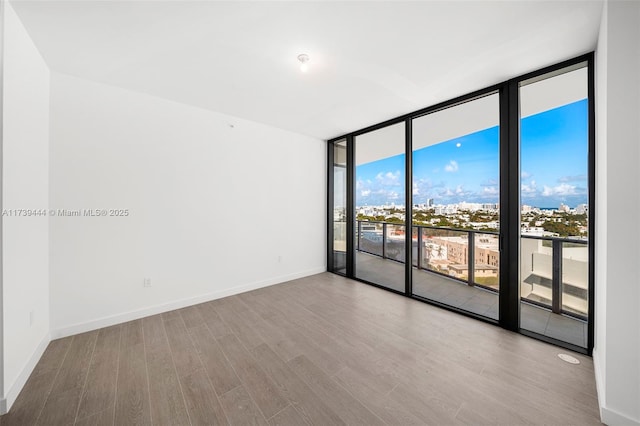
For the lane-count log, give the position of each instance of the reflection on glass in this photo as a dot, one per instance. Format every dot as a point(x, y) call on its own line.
point(456, 215)
point(554, 259)
point(380, 211)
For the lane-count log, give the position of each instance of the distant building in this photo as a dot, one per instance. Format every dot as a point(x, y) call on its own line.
point(564, 208)
point(446, 210)
point(469, 206)
point(535, 231)
point(487, 250)
point(366, 211)
point(456, 249)
point(582, 209)
point(490, 206)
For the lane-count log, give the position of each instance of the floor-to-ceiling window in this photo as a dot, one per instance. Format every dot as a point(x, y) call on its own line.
point(482, 204)
point(338, 222)
point(380, 206)
point(554, 196)
point(456, 210)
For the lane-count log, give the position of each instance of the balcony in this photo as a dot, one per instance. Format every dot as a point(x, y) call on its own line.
point(555, 274)
point(554, 287)
point(460, 268)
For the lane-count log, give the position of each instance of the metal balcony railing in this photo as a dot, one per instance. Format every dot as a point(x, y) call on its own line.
point(554, 271)
point(374, 237)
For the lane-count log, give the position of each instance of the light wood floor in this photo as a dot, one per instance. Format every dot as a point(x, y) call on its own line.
point(320, 350)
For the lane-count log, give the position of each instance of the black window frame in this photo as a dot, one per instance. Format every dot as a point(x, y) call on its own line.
point(509, 301)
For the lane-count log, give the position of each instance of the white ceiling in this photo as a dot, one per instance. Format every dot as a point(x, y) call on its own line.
point(370, 61)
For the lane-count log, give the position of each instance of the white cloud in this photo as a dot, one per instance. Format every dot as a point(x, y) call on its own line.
point(529, 190)
point(490, 190)
point(365, 192)
point(525, 175)
point(452, 166)
point(575, 178)
point(446, 192)
point(563, 189)
point(389, 178)
point(490, 182)
point(387, 194)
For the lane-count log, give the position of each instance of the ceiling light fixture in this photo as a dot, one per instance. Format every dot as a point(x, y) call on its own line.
point(303, 58)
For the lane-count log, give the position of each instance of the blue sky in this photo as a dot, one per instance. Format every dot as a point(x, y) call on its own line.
point(553, 165)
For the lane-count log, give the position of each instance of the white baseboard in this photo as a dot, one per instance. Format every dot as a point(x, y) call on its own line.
point(177, 304)
point(613, 418)
point(597, 362)
point(608, 416)
point(14, 391)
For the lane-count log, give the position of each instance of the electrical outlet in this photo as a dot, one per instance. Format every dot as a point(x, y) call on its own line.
point(147, 282)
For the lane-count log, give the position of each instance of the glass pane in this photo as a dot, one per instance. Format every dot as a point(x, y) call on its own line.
point(575, 279)
point(554, 258)
point(370, 237)
point(340, 207)
point(380, 211)
point(456, 174)
point(536, 267)
point(445, 252)
point(394, 243)
point(414, 245)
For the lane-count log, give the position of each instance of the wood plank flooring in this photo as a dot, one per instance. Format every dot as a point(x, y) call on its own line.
point(321, 350)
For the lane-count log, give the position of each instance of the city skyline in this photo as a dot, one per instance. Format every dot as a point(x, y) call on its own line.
point(554, 150)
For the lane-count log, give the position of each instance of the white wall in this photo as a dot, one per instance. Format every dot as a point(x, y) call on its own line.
point(617, 340)
point(25, 241)
point(213, 209)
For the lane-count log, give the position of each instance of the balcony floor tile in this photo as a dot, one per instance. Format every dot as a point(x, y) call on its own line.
point(449, 291)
